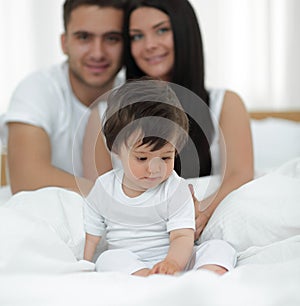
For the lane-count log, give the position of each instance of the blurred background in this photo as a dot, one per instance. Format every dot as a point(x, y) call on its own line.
point(251, 47)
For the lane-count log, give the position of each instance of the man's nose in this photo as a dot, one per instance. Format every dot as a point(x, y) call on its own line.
point(97, 48)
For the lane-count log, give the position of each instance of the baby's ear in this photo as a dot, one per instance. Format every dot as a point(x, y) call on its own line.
point(115, 151)
point(116, 148)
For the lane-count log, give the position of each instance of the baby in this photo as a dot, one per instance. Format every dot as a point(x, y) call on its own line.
point(145, 209)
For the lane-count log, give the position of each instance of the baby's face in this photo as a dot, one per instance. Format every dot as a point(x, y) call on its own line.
point(143, 168)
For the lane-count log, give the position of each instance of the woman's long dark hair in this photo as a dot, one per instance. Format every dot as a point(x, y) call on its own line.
point(188, 72)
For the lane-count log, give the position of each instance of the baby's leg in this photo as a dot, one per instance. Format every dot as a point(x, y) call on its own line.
point(215, 255)
point(142, 272)
point(214, 268)
point(120, 260)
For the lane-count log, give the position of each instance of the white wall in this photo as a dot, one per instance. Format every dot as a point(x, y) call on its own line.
point(29, 30)
point(253, 47)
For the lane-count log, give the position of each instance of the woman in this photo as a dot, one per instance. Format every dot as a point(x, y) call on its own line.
point(163, 41)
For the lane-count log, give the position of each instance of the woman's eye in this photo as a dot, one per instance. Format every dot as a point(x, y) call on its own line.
point(141, 158)
point(163, 30)
point(136, 37)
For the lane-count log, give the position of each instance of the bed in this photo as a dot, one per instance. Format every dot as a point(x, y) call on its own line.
point(42, 240)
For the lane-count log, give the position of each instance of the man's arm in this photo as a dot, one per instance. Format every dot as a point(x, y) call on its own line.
point(29, 161)
point(95, 156)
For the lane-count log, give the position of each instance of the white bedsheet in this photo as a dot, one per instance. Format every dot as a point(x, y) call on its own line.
point(259, 285)
point(42, 238)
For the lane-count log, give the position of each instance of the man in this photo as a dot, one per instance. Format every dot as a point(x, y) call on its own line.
point(47, 107)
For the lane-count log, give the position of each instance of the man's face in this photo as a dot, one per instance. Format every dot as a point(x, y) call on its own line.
point(93, 43)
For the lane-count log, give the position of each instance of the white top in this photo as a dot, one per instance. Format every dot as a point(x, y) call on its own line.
point(141, 224)
point(45, 99)
point(216, 103)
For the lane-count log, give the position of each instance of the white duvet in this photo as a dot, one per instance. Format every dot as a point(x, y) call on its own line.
point(41, 245)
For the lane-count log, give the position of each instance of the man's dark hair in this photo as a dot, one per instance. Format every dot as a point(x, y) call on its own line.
point(71, 5)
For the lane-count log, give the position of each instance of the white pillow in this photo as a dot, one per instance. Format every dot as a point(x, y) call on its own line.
point(30, 245)
point(5, 194)
point(275, 142)
point(59, 208)
point(261, 212)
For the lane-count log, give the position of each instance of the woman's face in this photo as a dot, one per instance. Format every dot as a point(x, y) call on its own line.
point(152, 43)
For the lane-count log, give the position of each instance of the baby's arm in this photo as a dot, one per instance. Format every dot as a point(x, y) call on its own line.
point(180, 251)
point(90, 246)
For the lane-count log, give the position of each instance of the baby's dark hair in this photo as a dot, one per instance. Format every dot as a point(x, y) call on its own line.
point(149, 107)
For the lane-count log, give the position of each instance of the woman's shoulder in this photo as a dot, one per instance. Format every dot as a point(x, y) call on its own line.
point(225, 103)
point(232, 101)
point(233, 108)
point(222, 96)
point(232, 98)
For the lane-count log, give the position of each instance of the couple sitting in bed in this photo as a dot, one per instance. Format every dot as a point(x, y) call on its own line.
point(43, 121)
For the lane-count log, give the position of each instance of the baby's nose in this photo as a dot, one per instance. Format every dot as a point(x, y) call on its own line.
point(156, 165)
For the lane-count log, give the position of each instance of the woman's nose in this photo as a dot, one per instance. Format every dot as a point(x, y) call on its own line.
point(150, 42)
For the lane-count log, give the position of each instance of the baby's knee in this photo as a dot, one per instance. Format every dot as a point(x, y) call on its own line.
point(109, 260)
point(120, 260)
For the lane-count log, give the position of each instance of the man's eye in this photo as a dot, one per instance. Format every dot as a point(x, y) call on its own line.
point(113, 38)
point(83, 36)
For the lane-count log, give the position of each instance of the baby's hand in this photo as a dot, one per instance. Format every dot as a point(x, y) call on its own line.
point(165, 267)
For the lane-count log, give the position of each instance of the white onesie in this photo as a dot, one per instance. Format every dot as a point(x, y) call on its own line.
point(137, 229)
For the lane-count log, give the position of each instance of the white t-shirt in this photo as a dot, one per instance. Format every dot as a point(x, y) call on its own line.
point(45, 99)
point(141, 224)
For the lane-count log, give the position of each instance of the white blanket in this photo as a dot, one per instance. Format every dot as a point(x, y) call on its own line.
point(42, 239)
